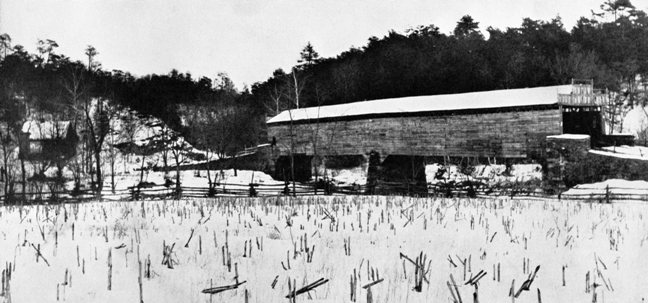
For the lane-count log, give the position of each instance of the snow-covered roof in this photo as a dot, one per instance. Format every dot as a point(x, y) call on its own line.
point(570, 137)
point(46, 130)
point(623, 151)
point(546, 95)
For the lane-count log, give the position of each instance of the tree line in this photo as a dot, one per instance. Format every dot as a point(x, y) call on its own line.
point(610, 47)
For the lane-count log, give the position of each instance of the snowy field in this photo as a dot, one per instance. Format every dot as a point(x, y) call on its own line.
point(98, 252)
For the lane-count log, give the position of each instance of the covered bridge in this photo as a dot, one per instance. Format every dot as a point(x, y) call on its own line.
point(508, 124)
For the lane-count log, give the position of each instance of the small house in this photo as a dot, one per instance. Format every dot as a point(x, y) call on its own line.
point(48, 141)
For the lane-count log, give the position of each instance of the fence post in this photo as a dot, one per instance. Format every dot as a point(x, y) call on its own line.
point(134, 193)
point(328, 187)
point(286, 189)
point(178, 193)
point(211, 191)
point(607, 194)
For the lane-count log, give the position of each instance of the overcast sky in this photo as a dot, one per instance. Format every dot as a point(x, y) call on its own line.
point(247, 39)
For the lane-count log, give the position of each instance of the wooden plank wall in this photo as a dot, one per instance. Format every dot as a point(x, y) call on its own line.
point(515, 134)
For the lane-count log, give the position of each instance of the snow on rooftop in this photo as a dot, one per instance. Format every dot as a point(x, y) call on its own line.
point(46, 130)
point(476, 100)
point(570, 136)
point(618, 155)
point(624, 151)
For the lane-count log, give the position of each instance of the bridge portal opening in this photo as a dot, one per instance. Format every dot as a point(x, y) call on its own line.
point(583, 121)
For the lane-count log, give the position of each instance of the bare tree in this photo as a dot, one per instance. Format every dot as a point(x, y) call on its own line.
point(129, 126)
point(179, 150)
point(201, 124)
point(296, 85)
point(112, 151)
point(96, 113)
point(97, 118)
point(75, 85)
point(10, 118)
point(224, 84)
point(5, 44)
point(276, 99)
point(46, 49)
point(145, 151)
point(613, 112)
point(315, 136)
point(164, 139)
point(7, 171)
point(91, 52)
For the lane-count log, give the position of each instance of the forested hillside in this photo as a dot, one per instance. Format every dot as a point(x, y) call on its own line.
point(98, 107)
point(54, 86)
point(610, 47)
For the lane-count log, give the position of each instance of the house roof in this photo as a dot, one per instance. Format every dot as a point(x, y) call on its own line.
point(547, 95)
point(46, 130)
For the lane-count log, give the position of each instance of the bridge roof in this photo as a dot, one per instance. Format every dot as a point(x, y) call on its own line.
point(508, 98)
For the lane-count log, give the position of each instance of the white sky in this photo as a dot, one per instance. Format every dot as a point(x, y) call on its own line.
point(248, 39)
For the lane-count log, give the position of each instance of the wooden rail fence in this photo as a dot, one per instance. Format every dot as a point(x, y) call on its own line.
point(461, 189)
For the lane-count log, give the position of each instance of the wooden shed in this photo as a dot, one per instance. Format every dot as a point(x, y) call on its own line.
point(503, 124)
point(48, 141)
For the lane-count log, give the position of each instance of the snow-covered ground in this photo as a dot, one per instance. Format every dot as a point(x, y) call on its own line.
point(84, 246)
point(491, 174)
point(615, 189)
point(348, 176)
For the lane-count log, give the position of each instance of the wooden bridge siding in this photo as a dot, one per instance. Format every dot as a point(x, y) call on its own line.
point(504, 134)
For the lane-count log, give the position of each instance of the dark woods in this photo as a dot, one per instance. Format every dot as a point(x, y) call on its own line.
point(53, 84)
point(610, 47)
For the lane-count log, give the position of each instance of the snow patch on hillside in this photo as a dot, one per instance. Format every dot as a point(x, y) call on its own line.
point(635, 121)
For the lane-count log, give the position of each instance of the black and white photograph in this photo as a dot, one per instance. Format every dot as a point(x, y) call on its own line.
point(370, 151)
